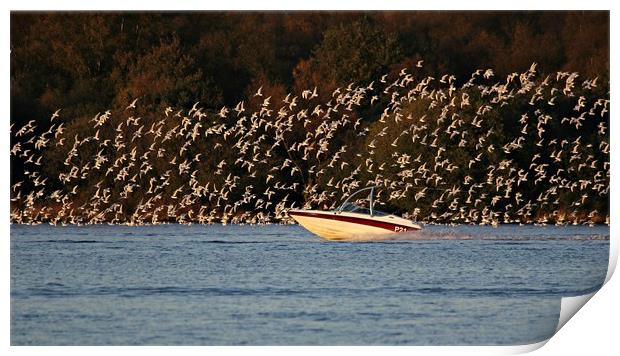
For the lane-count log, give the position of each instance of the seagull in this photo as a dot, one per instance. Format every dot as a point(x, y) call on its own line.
point(132, 105)
point(299, 152)
point(55, 115)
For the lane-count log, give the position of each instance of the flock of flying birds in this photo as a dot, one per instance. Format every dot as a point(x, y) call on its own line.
point(438, 151)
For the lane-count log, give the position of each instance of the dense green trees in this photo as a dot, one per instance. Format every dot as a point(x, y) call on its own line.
point(353, 51)
point(84, 62)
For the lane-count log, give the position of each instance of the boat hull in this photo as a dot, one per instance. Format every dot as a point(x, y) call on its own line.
point(348, 226)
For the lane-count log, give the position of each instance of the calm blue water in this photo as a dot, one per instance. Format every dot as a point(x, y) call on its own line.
point(272, 285)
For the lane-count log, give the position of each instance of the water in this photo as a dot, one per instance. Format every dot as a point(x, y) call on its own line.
point(273, 285)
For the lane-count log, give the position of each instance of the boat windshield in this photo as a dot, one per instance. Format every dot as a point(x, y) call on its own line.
point(352, 208)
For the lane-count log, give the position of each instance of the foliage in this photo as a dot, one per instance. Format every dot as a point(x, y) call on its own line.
point(305, 107)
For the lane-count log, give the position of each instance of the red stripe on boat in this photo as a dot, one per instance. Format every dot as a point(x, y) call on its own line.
point(355, 220)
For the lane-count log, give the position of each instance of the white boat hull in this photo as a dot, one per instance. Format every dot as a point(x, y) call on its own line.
point(350, 226)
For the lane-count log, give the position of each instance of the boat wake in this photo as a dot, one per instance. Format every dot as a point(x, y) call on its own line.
point(426, 235)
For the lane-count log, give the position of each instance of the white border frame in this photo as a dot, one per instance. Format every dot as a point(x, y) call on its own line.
point(592, 328)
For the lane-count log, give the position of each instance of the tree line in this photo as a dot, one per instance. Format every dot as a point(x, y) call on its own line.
point(172, 63)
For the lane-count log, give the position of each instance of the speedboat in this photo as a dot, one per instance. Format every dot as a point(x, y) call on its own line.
point(350, 221)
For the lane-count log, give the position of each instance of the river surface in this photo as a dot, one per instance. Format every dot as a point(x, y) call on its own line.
point(281, 285)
